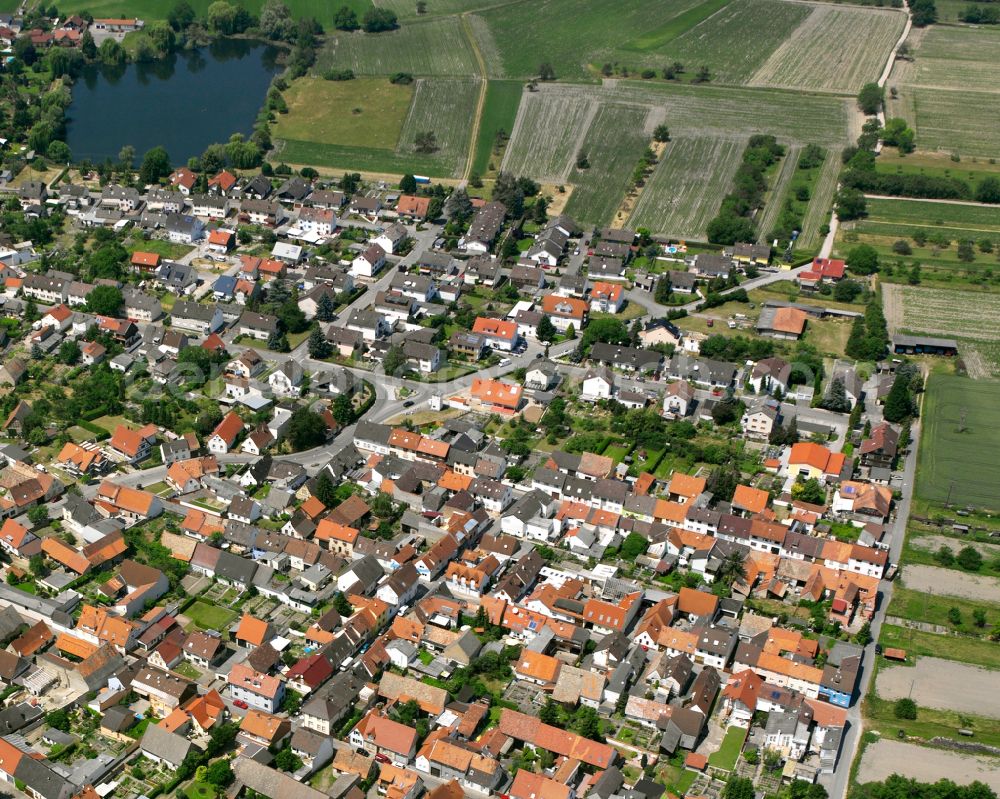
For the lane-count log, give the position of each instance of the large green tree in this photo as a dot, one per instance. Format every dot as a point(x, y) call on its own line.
point(155, 165)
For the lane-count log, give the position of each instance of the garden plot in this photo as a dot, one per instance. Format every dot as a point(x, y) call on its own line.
point(444, 107)
point(931, 682)
point(548, 133)
point(950, 582)
point(863, 39)
point(435, 47)
point(885, 757)
point(615, 141)
point(688, 185)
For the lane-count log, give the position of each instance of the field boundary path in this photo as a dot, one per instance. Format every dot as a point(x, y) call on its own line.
point(972, 203)
point(480, 102)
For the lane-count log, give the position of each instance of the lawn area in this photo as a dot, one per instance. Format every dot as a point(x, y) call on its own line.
point(167, 250)
point(210, 617)
point(948, 451)
point(730, 749)
point(109, 423)
point(685, 781)
point(617, 451)
point(185, 669)
point(828, 336)
point(364, 112)
point(961, 648)
point(200, 790)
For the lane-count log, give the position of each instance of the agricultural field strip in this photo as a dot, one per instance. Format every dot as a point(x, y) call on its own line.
point(444, 107)
point(956, 121)
point(934, 212)
point(947, 452)
point(487, 45)
point(864, 39)
point(437, 47)
point(779, 191)
point(724, 111)
point(407, 9)
point(548, 133)
point(615, 141)
point(688, 185)
point(720, 40)
point(573, 35)
point(944, 312)
point(818, 212)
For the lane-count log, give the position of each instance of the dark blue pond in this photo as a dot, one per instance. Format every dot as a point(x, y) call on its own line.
point(184, 103)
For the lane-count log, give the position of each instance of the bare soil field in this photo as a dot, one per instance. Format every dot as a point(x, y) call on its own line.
point(931, 683)
point(949, 582)
point(885, 758)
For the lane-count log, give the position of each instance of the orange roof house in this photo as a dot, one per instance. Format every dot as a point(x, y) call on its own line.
point(221, 238)
point(225, 180)
point(538, 668)
point(228, 429)
point(530, 729)
point(410, 205)
point(33, 640)
point(329, 530)
point(786, 322)
point(685, 487)
point(496, 328)
point(570, 308)
point(127, 500)
point(814, 460)
point(66, 555)
point(696, 603)
point(752, 500)
point(496, 392)
point(264, 727)
point(130, 443)
point(72, 456)
point(145, 261)
point(528, 785)
point(253, 631)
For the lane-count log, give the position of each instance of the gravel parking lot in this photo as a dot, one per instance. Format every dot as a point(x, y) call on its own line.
point(949, 582)
point(884, 758)
point(931, 683)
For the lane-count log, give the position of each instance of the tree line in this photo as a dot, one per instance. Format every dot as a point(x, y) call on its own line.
point(734, 221)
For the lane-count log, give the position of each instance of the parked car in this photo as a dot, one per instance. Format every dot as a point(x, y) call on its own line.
point(241, 704)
